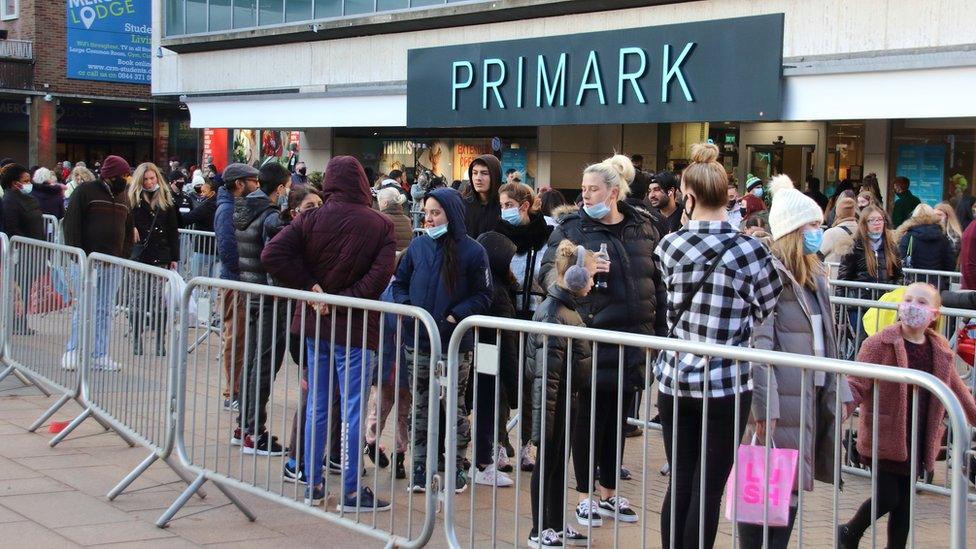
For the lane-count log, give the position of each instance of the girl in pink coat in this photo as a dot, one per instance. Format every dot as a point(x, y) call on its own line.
point(909, 343)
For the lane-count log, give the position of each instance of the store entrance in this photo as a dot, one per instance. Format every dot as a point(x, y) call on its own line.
point(796, 161)
point(134, 151)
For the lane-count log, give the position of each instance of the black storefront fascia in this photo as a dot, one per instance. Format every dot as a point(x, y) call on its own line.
point(729, 69)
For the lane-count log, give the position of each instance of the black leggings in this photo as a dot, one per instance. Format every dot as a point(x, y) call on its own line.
point(893, 496)
point(607, 428)
point(552, 458)
point(685, 462)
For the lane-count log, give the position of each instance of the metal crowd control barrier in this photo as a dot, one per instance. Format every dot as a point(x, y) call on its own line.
point(944, 280)
point(128, 383)
point(854, 309)
point(46, 284)
point(486, 529)
point(215, 444)
point(198, 253)
point(52, 229)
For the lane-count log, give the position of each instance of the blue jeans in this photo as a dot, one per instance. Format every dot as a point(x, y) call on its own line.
point(106, 287)
point(352, 398)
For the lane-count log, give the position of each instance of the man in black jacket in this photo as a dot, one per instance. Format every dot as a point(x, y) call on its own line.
point(22, 216)
point(482, 212)
point(98, 219)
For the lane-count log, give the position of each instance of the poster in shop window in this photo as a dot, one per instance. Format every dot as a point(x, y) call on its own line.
point(924, 166)
point(109, 40)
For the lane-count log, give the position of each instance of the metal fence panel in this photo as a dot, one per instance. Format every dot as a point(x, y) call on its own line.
point(466, 517)
point(280, 371)
point(52, 229)
point(198, 254)
point(44, 327)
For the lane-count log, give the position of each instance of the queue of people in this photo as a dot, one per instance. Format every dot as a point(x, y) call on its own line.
point(669, 263)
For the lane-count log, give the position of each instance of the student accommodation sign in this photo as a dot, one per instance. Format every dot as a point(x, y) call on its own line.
point(727, 69)
point(109, 40)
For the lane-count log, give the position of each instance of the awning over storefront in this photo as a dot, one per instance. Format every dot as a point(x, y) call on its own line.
point(299, 111)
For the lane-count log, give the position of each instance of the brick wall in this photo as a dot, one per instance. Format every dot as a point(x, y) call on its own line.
point(43, 21)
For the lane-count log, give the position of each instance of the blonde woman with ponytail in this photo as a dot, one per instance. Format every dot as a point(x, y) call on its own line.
point(629, 297)
point(721, 284)
point(803, 323)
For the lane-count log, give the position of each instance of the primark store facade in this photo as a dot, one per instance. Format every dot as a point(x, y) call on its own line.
point(830, 89)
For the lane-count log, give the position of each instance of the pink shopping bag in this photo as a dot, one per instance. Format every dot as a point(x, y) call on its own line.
point(748, 495)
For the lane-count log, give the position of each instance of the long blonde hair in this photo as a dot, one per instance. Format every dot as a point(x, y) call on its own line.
point(923, 214)
point(951, 226)
point(804, 267)
point(888, 243)
point(162, 198)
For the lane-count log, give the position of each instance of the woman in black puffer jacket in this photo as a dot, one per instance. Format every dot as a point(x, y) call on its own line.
point(924, 245)
point(629, 303)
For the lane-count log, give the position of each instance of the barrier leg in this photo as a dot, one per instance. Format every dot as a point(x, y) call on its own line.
point(71, 427)
point(166, 517)
point(194, 486)
point(132, 476)
point(50, 412)
point(182, 474)
point(237, 502)
point(28, 380)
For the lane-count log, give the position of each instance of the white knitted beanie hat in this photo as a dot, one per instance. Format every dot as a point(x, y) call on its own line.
point(791, 209)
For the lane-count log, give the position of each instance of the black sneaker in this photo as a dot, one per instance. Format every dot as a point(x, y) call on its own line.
point(549, 538)
point(572, 538)
point(292, 472)
point(418, 484)
point(383, 461)
point(845, 539)
point(617, 508)
point(460, 480)
point(231, 404)
point(364, 501)
point(333, 465)
point(263, 445)
point(315, 496)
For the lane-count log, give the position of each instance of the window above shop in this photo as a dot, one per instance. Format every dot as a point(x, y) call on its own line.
point(202, 25)
point(9, 9)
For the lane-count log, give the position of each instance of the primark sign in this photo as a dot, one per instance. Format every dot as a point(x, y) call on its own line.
point(728, 69)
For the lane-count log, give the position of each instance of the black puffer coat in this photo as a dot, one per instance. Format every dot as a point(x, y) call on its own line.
point(559, 307)
point(500, 251)
point(855, 267)
point(930, 249)
point(250, 215)
point(163, 245)
point(630, 302)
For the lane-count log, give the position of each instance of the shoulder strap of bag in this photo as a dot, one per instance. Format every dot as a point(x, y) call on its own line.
point(847, 230)
point(686, 304)
point(152, 227)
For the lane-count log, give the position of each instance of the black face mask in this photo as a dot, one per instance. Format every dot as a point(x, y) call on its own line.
point(689, 212)
point(301, 171)
point(117, 184)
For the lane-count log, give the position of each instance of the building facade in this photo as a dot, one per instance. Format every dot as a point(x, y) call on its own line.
point(859, 88)
point(74, 85)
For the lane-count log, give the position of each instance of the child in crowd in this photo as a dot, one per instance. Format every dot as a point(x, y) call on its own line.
point(546, 366)
point(909, 343)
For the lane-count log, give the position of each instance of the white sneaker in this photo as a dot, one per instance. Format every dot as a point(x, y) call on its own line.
point(106, 364)
point(502, 463)
point(588, 516)
point(70, 360)
point(492, 477)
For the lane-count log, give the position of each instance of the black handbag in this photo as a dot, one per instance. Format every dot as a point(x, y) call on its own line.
point(139, 248)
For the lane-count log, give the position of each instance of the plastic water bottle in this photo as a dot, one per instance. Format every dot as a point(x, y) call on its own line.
point(600, 279)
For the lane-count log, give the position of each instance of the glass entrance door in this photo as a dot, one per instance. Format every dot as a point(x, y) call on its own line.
point(796, 161)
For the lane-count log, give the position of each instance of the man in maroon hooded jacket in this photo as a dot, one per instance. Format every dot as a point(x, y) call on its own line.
point(344, 248)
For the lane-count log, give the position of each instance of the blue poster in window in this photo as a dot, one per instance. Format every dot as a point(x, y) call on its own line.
point(513, 159)
point(109, 40)
point(924, 166)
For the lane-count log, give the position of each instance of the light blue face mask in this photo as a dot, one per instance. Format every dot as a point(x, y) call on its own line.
point(757, 192)
point(437, 232)
point(512, 216)
point(597, 211)
point(874, 236)
point(812, 240)
point(26, 188)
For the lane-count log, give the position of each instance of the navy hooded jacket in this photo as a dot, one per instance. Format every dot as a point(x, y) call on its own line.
point(419, 280)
